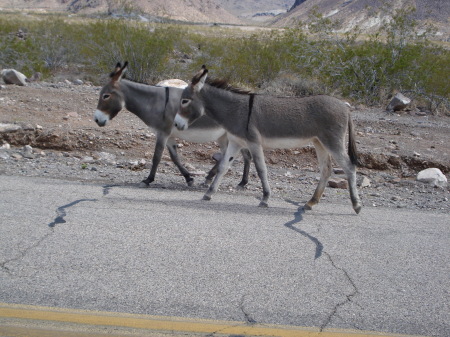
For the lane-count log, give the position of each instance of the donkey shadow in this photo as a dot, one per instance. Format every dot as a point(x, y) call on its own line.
point(298, 218)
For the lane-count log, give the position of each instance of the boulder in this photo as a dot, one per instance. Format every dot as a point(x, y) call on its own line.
point(398, 102)
point(11, 76)
point(432, 176)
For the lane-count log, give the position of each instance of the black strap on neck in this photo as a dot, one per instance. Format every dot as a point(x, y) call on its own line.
point(250, 107)
point(167, 101)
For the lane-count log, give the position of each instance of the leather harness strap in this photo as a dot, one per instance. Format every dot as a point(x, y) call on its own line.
point(167, 101)
point(250, 107)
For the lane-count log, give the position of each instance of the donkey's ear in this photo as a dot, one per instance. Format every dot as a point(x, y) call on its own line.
point(198, 81)
point(120, 70)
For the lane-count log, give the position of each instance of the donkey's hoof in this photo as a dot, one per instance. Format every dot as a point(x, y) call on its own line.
point(263, 204)
point(144, 184)
point(240, 187)
point(190, 182)
point(206, 197)
point(307, 207)
point(357, 208)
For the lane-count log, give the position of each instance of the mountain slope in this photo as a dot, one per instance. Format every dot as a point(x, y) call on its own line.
point(183, 10)
point(367, 14)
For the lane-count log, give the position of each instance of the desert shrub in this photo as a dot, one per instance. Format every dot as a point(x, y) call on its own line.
point(368, 69)
point(108, 42)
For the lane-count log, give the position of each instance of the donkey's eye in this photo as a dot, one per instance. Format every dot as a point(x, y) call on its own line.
point(185, 102)
point(106, 96)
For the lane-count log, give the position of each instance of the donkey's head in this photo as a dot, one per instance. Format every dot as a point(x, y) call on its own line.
point(111, 99)
point(191, 107)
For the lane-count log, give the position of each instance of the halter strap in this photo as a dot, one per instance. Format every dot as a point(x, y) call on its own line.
point(167, 101)
point(250, 107)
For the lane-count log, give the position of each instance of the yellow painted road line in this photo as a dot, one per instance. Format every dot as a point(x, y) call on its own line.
point(161, 323)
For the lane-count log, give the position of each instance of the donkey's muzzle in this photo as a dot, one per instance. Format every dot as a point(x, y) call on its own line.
point(100, 118)
point(180, 123)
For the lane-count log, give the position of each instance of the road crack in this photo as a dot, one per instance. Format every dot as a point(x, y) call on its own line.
point(348, 297)
point(248, 318)
point(59, 219)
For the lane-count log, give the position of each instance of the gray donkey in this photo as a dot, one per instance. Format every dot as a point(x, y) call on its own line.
point(157, 107)
point(256, 122)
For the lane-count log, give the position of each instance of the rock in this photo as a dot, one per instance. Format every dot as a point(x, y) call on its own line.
point(432, 176)
point(365, 182)
point(5, 128)
point(198, 173)
point(27, 152)
point(338, 170)
point(338, 183)
point(172, 83)
point(87, 160)
point(78, 82)
point(5, 146)
point(106, 157)
point(11, 76)
point(398, 102)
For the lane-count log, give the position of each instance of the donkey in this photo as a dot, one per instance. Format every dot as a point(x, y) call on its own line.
point(157, 107)
point(256, 122)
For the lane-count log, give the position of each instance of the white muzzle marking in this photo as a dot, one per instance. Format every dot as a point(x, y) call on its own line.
point(101, 118)
point(181, 123)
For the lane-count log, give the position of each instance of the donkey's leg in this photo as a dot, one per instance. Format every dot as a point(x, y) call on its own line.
point(257, 153)
point(172, 147)
point(342, 158)
point(231, 152)
point(247, 161)
point(161, 141)
point(223, 142)
point(324, 160)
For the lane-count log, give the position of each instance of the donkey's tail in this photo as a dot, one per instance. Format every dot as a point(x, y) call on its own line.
point(352, 153)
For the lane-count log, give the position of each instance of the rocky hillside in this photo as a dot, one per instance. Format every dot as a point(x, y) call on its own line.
point(256, 10)
point(367, 14)
point(280, 13)
point(183, 10)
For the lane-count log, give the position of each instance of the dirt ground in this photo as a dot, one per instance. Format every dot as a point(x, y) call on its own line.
point(56, 120)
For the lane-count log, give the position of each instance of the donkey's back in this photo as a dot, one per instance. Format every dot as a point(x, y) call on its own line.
point(304, 117)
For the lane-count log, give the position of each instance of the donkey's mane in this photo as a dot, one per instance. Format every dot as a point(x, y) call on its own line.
point(223, 84)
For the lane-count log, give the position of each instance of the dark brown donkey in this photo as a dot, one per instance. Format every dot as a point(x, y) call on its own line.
point(157, 107)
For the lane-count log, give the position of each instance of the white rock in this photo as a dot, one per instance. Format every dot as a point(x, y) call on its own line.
point(365, 182)
point(398, 102)
point(105, 156)
point(87, 159)
point(11, 76)
point(172, 83)
point(5, 128)
point(432, 176)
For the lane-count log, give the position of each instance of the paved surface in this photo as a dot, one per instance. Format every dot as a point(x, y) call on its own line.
point(164, 252)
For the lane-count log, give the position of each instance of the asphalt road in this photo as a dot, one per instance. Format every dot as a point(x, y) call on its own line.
point(165, 252)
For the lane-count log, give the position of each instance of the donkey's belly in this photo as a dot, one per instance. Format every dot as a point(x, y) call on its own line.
point(199, 135)
point(284, 143)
